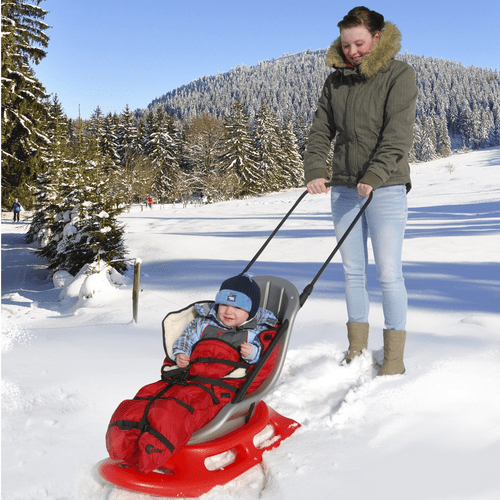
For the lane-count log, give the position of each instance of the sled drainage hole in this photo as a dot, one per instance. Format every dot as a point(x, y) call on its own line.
point(217, 462)
point(265, 437)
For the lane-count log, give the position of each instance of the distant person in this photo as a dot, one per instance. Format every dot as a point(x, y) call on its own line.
point(368, 106)
point(16, 209)
point(150, 202)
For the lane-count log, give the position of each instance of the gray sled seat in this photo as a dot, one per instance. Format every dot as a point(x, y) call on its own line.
point(277, 295)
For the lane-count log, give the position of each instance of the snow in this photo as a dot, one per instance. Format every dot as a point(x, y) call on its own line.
point(71, 351)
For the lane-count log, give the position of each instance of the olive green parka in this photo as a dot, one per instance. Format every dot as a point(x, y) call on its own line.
point(370, 110)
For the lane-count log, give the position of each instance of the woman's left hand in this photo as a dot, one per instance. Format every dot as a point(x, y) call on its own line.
point(364, 190)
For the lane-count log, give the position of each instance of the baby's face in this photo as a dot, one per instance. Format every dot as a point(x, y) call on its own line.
point(232, 316)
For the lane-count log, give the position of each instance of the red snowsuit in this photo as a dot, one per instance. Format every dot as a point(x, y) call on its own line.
point(147, 430)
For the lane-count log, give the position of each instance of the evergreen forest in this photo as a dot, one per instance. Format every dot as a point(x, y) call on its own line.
point(232, 135)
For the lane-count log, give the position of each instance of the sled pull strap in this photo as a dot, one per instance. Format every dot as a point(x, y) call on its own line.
point(271, 236)
point(309, 288)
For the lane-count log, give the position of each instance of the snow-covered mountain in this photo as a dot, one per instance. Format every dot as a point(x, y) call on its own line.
point(464, 101)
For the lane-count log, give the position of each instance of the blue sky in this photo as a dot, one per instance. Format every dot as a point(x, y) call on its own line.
point(113, 53)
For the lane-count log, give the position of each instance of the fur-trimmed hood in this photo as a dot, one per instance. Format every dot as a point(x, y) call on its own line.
point(383, 50)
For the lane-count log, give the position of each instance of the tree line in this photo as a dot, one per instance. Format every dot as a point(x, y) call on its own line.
point(101, 166)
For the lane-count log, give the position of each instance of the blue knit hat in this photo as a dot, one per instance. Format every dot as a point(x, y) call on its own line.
point(240, 291)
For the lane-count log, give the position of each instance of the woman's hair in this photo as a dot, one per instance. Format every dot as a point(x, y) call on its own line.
point(363, 16)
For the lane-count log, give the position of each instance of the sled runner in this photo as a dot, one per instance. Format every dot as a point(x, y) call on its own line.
point(236, 438)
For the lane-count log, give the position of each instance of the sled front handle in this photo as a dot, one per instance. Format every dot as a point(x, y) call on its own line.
point(309, 288)
point(271, 236)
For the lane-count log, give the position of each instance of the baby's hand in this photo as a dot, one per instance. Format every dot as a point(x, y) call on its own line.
point(246, 349)
point(182, 360)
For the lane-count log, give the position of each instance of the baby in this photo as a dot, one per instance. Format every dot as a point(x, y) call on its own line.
point(236, 311)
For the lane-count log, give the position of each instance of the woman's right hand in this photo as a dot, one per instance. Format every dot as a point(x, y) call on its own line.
point(317, 186)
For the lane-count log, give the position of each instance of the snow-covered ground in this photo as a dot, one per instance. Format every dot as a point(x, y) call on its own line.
point(433, 433)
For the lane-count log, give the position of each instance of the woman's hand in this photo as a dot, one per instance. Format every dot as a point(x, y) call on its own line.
point(317, 186)
point(182, 360)
point(364, 190)
point(246, 350)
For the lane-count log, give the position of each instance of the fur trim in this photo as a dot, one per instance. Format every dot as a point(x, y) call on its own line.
point(383, 50)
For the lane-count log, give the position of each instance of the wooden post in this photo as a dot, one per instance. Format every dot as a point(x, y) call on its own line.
point(135, 291)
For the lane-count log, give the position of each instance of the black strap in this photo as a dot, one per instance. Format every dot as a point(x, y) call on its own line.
point(158, 435)
point(215, 400)
point(212, 381)
point(124, 424)
point(228, 362)
point(130, 424)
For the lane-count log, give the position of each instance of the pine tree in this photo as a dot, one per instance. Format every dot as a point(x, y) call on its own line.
point(109, 140)
point(163, 154)
point(96, 125)
point(292, 169)
point(238, 154)
point(428, 142)
point(268, 148)
point(203, 143)
point(57, 159)
point(128, 138)
point(24, 112)
point(86, 229)
point(443, 138)
point(135, 172)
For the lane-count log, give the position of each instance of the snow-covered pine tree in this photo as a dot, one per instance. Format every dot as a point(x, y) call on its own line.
point(301, 131)
point(238, 154)
point(268, 150)
point(57, 158)
point(24, 110)
point(109, 139)
point(427, 149)
point(495, 109)
point(161, 150)
point(293, 169)
point(203, 143)
point(96, 125)
point(465, 123)
point(443, 138)
point(135, 173)
point(87, 230)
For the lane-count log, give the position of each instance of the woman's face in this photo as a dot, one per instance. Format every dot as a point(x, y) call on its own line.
point(356, 43)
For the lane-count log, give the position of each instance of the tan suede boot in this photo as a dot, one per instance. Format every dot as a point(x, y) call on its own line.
point(394, 346)
point(357, 334)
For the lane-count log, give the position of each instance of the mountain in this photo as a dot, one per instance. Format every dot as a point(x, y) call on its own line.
point(289, 85)
point(466, 99)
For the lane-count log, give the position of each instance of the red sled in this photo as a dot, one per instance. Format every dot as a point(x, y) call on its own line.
point(196, 469)
point(235, 440)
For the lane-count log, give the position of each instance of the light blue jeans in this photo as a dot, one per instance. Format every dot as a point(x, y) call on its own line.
point(384, 221)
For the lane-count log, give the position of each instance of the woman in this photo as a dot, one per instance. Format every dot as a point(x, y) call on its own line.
point(368, 106)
